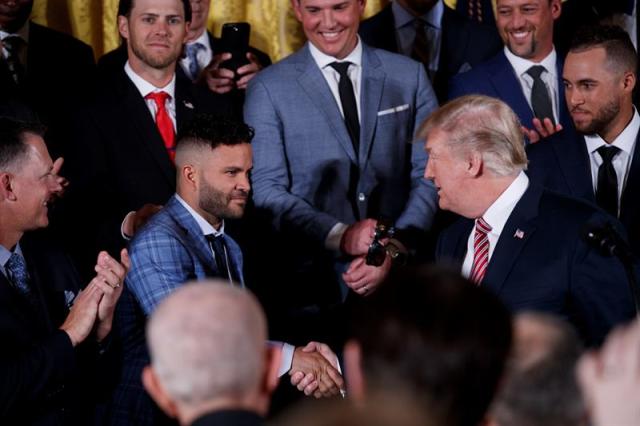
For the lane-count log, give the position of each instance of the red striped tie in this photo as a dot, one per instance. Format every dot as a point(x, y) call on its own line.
point(164, 123)
point(480, 251)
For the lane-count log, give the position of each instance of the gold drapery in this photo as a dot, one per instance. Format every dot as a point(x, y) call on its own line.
point(274, 28)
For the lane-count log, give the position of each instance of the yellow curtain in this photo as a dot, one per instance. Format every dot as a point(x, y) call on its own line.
point(274, 27)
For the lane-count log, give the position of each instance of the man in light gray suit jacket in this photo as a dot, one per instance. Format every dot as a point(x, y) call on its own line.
point(332, 154)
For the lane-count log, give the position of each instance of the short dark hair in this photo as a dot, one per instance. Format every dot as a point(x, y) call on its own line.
point(12, 146)
point(214, 130)
point(125, 6)
point(436, 332)
point(621, 54)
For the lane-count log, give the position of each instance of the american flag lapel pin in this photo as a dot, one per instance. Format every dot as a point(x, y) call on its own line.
point(519, 234)
point(188, 104)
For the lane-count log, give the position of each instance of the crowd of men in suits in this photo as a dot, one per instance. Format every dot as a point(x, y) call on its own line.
point(321, 183)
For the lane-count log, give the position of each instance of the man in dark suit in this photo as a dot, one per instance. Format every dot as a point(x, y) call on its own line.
point(46, 370)
point(332, 154)
point(454, 42)
point(527, 73)
point(195, 381)
point(49, 71)
point(528, 244)
point(124, 141)
point(600, 77)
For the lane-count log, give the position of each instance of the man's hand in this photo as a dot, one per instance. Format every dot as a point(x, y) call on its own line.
point(610, 380)
point(542, 129)
point(82, 315)
point(358, 237)
point(219, 80)
point(62, 182)
point(109, 279)
point(314, 371)
point(247, 72)
point(135, 221)
point(364, 279)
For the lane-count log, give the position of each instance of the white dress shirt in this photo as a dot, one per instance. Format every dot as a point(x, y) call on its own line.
point(144, 87)
point(626, 142)
point(496, 216)
point(550, 78)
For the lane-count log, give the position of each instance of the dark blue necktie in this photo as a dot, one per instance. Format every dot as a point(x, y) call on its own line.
point(221, 254)
point(192, 54)
point(17, 273)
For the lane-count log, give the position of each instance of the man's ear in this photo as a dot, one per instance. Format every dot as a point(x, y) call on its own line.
point(297, 9)
point(474, 164)
point(629, 81)
point(188, 173)
point(123, 27)
point(157, 392)
point(6, 188)
point(356, 382)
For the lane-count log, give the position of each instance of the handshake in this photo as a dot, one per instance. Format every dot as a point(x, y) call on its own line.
point(315, 371)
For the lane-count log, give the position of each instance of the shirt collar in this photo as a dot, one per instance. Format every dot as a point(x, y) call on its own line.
point(323, 60)
point(521, 65)
point(5, 254)
point(625, 140)
point(205, 226)
point(498, 213)
point(433, 17)
point(144, 87)
point(23, 32)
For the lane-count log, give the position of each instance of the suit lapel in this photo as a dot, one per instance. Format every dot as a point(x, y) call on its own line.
point(135, 108)
point(315, 86)
point(185, 105)
point(573, 158)
point(518, 229)
point(629, 203)
point(505, 81)
point(370, 96)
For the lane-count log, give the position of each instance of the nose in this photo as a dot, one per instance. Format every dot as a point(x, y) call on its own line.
point(328, 21)
point(244, 183)
point(428, 171)
point(161, 27)
point(574, 97)
point(517, 20)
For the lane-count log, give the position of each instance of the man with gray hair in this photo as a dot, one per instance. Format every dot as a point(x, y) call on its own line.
point(209, 362)
point(519, 240)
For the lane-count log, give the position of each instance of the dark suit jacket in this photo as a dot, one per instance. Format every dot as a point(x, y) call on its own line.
point(497, 78)
point(118, 162)
point(229, 418)
point(465, 43)
point(40, 382)
point(562, 164)
point(60, 75)
point(551, 268)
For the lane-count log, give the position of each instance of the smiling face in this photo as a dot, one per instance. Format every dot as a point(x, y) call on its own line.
point(33, 185)
point(155, 31)
point(14, 13)
point(331, 25)
point(595, 94)
point(449, 173)
point(223, 184)
point(526, 26)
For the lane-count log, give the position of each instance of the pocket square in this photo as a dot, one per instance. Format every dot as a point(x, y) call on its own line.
point(393, 110)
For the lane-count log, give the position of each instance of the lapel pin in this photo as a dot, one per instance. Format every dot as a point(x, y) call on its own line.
point(188, 104)
point(519, 234)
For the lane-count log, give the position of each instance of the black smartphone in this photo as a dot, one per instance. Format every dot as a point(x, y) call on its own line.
point(235, 40)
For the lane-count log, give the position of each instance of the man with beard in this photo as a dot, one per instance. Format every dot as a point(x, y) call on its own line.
point(123, 143)
point(186, 240)
point(527, 73)
point(602, 165)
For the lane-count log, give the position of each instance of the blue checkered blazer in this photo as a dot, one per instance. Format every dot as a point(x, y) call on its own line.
point(168, 251)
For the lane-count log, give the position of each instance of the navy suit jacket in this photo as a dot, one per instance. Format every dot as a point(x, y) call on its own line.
point(167, 252)
point(548, 266)
point(464, 43)
point(562, 164)
point(496, 78)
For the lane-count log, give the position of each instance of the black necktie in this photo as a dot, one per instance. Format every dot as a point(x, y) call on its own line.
point(13, 44)
point(348, 101)
point(540, 100)
point(607, 190)
point(420, 50)
point(221, 254)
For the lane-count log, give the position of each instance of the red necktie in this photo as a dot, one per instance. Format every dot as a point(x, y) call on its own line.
point(480, 251)
point(163, 121)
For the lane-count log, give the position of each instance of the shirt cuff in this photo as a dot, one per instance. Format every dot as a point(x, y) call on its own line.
point(125, 236)
point(334, 238)
point(286, 359)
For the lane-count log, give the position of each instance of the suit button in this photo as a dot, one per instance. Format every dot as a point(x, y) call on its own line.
point(361, 197)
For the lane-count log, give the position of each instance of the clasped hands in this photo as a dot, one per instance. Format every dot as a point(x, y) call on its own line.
point(223, 80)
point(315, 371)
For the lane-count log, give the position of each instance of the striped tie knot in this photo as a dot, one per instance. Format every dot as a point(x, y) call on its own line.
point(480, 251)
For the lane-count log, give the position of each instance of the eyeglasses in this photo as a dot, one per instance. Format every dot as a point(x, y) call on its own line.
point(377, 251)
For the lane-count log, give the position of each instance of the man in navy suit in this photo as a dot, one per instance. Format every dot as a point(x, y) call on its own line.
point(528, 245)
point(600, 77)
point(333, 154)
point(186, 240)
point(49, 349)
point(527, 74)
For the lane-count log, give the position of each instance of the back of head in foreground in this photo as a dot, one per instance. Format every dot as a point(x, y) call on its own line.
point(432, 333)
point(208, 352)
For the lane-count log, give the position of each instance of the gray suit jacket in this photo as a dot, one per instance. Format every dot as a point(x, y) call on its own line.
point(306, 172)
